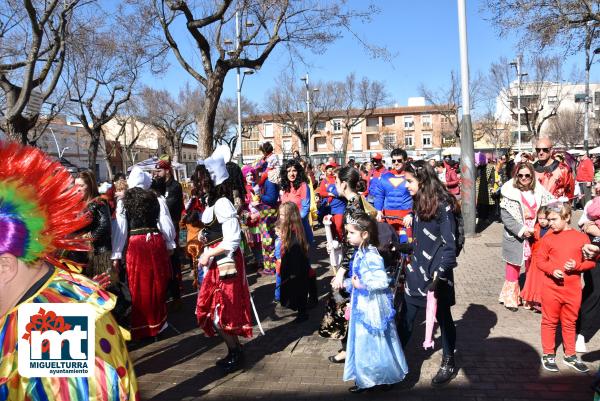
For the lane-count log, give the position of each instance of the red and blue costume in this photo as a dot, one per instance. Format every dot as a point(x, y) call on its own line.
point(335, 204)
point(393, 199)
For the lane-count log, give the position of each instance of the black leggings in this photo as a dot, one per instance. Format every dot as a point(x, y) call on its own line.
point(408, 315)
point(588, 323)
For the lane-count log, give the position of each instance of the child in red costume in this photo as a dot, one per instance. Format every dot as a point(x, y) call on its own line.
point(532, 291)
point(561, 259)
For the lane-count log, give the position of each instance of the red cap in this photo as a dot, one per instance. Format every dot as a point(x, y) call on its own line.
point(163, 165)
point(331, 165)
point(377, 156)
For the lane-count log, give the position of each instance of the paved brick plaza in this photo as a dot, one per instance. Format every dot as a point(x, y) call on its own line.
point(498, 350)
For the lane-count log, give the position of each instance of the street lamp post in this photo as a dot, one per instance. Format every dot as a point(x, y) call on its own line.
point(240, 82)
point(589, 59)
point(467, 157)
point(517, 65)
point(308, 126)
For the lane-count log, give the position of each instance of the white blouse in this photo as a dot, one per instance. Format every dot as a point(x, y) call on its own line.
point(120, 228)
point(228, 218)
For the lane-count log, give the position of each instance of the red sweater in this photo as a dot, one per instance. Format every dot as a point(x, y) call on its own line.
point(585, 170)
point(554, 251)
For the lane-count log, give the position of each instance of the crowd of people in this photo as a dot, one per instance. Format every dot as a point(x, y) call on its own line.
point(396, 229)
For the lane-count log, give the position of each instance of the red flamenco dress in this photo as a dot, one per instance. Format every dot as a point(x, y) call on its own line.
point(531, 293)
point(148, 264)
point(224, 302)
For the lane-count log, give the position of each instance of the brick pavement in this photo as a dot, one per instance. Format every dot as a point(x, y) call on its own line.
point(498, 350)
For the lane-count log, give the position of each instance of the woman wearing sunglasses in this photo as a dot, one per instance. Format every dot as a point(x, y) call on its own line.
point(521, 199)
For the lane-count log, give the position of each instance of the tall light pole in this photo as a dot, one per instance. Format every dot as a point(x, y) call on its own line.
point(589, 59)
point(240, 82)
point(308, 126)
point(467, 151)
point(517, 65)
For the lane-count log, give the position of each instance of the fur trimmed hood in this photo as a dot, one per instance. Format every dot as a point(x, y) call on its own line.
point(542, 196)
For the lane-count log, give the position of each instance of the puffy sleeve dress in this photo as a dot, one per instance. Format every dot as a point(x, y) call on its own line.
point(224, 302)
point(374, 355)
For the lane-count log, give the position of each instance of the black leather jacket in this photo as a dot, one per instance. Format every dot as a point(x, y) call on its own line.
point(100, 227)
point(174, 198)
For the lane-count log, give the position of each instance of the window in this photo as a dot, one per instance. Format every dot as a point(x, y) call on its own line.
point(389, 120)
point(321, 126)
point(372, 123)
point(337, 125)
point(356, 126)
point(597, 98)
point(426, 140)
point(337, 144)
point(389, 140)
point(356, 143)
point(409, 123)
point(426, 122)
point(373, 141)
point(321, 143)
point(552, 100)
point(408, 141)
point(250, 147)
point(252, 130)
point(579, 97)
point(268, 132)
point(287, 145)
point(285, 130)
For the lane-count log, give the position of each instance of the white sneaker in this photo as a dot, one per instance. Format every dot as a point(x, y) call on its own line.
point(580, 344)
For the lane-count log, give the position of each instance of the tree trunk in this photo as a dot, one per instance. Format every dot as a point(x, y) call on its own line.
point(206, 121)
point(17, 129)
point(93, 151)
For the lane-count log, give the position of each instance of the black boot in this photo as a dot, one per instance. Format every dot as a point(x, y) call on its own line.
point(223, 361)
point(447, 371)
point(234, 361)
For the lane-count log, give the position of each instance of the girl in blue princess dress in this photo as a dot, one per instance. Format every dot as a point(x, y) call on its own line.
point(374, 354)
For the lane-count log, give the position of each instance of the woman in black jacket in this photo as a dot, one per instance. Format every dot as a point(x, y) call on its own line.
point(433, 260)
point(99, 229)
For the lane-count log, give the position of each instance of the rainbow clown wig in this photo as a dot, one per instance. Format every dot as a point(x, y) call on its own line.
point(40, 208)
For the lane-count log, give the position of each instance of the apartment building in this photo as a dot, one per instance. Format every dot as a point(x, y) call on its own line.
point(418, 129)
point(69, 141)
point(550, 98)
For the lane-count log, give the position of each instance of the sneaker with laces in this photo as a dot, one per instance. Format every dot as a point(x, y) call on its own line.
point(549, 362)
point(575, 363)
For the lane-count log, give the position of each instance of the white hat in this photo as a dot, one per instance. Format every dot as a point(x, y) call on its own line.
point(139, 178)
point(216, 167)
point(104, 187)
point(223, 151)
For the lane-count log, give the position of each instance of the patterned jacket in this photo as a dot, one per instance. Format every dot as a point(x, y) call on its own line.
point(556, 178)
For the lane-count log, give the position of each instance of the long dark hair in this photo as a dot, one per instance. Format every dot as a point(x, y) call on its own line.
point(237, 178)
point(214, 192)
point(350, 176)
point(300, 178)
point(197, 179)
point(432, 192)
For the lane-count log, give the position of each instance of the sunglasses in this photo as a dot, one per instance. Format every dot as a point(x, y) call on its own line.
point(545, 150)
point(524, 176)
point(397, 160)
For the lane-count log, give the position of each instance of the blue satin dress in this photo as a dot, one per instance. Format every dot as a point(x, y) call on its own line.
point(373, 355)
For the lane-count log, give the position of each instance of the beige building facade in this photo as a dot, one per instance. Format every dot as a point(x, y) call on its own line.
point(417, 129)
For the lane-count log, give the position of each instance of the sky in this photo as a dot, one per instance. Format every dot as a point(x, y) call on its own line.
point(423, 36)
